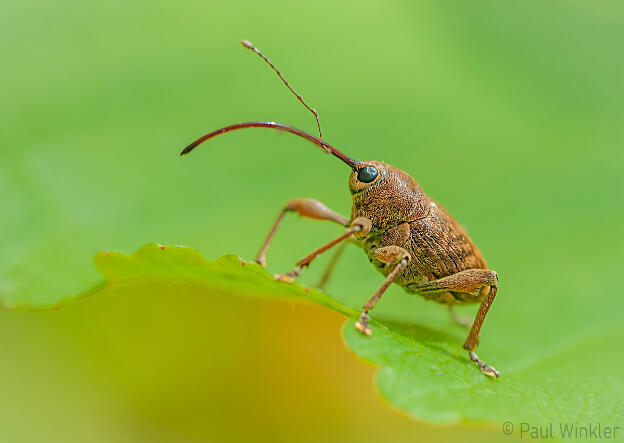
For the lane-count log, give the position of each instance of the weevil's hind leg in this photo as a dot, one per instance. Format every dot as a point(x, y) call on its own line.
point(389, 255)
point(359, 227)
point(473, 336)
point(306, 207)
point(331, 265)
point(459, 319)
point(470, 281)
point(485, 368)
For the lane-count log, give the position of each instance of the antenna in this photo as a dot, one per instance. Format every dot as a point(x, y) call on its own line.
point(247, 44)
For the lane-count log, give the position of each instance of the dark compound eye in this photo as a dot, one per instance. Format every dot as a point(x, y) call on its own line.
point(367, 174)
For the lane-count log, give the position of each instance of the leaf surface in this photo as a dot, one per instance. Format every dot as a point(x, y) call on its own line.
point(422, 370)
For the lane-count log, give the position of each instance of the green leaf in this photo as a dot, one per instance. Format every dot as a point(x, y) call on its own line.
point(423, 370)
point(426, 374)
point(185, 266)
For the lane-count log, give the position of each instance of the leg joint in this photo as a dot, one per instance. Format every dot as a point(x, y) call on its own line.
point(361, 227)
point(390, 255)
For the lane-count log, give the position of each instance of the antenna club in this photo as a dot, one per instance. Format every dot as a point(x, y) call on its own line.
point(247, 44)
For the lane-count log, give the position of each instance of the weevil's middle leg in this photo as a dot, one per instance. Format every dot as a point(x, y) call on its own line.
point(389, 255)
point(306, 207)
point(459, 319)
point(331, 265)
point(359, 227)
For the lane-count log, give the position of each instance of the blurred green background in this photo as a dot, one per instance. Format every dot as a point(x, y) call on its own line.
point(508, 113)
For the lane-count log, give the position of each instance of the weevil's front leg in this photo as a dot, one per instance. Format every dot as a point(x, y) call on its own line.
point(359, 227)
point(470, 281)
point(306, 207)
point(392, 255)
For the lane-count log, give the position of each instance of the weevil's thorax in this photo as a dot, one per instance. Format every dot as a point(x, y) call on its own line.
point(392, 198)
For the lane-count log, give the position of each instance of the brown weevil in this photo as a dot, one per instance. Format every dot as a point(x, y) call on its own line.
point(408, 237)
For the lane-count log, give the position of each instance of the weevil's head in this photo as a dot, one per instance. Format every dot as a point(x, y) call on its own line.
point(384, 194)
